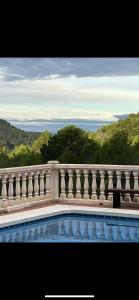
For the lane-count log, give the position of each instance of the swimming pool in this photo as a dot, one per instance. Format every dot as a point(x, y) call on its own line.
point(73, 228)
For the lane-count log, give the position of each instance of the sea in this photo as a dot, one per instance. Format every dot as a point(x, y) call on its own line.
point(53, 127)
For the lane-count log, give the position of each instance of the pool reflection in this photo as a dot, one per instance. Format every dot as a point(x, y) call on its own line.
point(71, 230)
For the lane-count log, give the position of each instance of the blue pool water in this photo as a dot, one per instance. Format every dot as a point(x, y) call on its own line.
point(74, 228)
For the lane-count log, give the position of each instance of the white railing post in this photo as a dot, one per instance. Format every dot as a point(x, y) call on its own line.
point(4, 191)
point(110, 185)
point(102, 186)
point(54, 180)
point(24, 185)
point(78, 185)
point(17, 190)
point(70, 191)
point(63, 194)
point(36, 184)
point(48, 174)
point(42, 183)
point(136, 186)
point(127, 186)
point(30, 185)
point(94, 185)
point(118, 173)
point(10, 191)
point(86, 195)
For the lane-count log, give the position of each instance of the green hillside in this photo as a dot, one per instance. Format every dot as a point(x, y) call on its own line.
point(11, 136)
point(129, 126)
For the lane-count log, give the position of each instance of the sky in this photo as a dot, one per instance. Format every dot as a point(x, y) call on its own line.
point(83, 88)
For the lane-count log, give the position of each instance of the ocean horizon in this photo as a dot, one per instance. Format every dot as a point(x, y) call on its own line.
point(53, 127)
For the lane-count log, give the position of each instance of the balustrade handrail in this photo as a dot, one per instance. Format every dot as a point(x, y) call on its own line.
point(25, 169)
point(56, 165)
point(98, 167)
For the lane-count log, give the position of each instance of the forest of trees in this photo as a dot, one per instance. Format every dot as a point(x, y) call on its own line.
point(117, 143)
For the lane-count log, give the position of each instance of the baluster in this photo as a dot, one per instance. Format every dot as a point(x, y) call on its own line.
point(63, 194)
point(30, 185)
point(118, 186)
point(118, 173)
point(42, 183)
point(10, 191)
point(102, 186)
point(36, 184)
point(110, 185)
point(127, 186)
point(86, 195)
point(48, 183)
point(24, 185)
point(94, 185)
point(18, 186)
point(70, 192)
point(136, 186)
point(4, 191)
point(78, 185)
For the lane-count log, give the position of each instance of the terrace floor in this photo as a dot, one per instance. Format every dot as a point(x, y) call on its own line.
point(51, 210)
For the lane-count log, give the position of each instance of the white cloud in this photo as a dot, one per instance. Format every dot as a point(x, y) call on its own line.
point(29, 113)
point(58, 97)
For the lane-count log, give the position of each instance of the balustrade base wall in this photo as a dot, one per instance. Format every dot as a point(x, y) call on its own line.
point(14, 205)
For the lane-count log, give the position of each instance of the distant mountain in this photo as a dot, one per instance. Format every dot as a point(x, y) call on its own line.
point(11, 136)
point(121, 117)
point(63, 121)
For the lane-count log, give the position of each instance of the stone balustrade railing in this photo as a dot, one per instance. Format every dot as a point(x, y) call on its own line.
point(54, 181)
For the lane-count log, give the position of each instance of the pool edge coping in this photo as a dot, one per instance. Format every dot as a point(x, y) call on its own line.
point(58, 209)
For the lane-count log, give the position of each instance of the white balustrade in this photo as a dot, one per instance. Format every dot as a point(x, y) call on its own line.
point(43, 181)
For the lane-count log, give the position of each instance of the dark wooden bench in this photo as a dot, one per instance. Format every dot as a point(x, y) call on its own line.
point(116, 195)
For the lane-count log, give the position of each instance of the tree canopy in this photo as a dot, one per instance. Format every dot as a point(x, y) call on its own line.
point(117, 143)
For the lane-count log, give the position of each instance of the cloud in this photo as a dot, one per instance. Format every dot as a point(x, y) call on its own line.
point(71, 89)
point(35, 113)
point(81, 67)
point(68, 87)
